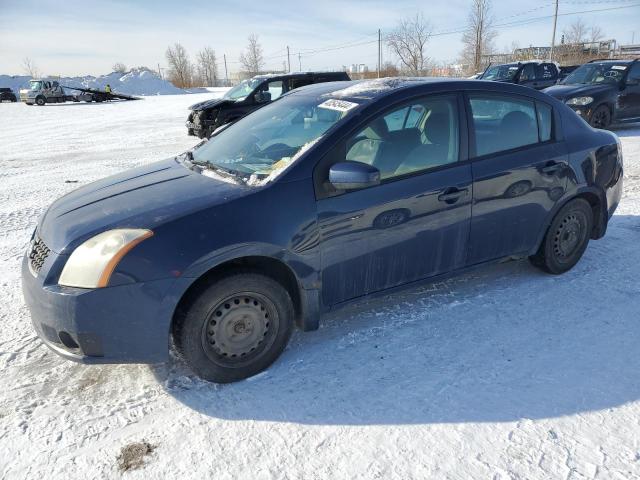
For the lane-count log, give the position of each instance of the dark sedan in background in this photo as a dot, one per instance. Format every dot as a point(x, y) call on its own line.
point(534, 74)
point(249, 95)
point(602, 91)
point(333, 193)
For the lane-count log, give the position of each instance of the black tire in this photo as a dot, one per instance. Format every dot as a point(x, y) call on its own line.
point(235, 327)
point(601, 117)
point(566, 239)
point(40, 101)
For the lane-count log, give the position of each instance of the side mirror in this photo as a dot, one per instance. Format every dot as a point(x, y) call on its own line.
point(352, 175)
point(262, 97)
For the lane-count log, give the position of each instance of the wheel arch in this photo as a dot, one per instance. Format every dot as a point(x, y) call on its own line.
point(306, 313)
point(598, 203)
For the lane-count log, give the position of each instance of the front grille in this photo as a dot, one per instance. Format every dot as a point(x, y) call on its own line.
point(37, 255)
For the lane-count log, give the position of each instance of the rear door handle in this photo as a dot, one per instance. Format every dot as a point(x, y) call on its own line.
point(553, 168)
point(451, 195)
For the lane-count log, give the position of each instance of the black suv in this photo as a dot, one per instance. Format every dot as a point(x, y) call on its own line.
point(249, 95)
point(533, 74)
point(602, 91)
point(7, 95)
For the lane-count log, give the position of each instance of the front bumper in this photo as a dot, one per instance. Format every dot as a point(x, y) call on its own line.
point(123, 324)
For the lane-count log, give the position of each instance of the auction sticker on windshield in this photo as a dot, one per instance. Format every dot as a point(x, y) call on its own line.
point(619, 67)
point(338, 105)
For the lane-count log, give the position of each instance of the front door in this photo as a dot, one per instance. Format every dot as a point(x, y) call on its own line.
point(629, 99)
point(415, 224)
point(519, 173)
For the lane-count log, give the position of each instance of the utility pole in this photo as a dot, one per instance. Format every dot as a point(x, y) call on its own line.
point(379, 53)
point(288, 60)
point(300, 60)
point(226, 73)
point(160, 71)
point(553, 37)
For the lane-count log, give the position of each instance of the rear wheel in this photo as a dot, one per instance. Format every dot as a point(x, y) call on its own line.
point(601, 117)
point(235, 328)
point(567, 238)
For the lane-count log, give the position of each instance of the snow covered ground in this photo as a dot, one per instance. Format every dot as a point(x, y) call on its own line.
point(505, 373)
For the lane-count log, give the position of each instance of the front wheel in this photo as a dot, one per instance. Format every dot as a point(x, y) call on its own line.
point(40, 101)
point(235, 328)
point(601, 117)
point(566, 239)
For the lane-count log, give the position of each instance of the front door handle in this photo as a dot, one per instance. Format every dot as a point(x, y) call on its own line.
point(452, 194)
point(552, 168)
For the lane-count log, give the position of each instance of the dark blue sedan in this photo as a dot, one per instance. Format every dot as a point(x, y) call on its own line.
point(329, 194)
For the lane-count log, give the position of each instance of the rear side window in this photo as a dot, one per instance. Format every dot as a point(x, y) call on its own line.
point(503, 123)
point(545, 121)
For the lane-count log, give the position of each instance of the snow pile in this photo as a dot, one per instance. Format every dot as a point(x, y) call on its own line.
point(138, 81)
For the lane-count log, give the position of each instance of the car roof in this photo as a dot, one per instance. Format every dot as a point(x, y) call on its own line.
point(613, 60)
point(294, 74)
point(368, 91)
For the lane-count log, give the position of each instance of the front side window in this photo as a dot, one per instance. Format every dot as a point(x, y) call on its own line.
point(261, 146)
point(274, 89)
point(546, 71)
point(409, 139)
point(503, 123)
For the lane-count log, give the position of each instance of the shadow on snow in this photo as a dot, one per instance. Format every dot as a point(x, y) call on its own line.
point(502, 343)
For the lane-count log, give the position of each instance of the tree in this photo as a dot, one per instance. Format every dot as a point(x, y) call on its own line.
point(30, 68)
point(479, 34)
point(119, 67)
point(180, 68)
point(252, 59)
point(408, 42)
point(207, 68)
point(577, 32)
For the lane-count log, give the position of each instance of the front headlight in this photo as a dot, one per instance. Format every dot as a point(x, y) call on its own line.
point(580, 101)
point(92, 263)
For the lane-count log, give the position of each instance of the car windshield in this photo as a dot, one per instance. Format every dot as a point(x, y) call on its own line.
point(35, 85)
point(594, 73)
point(244, 88)
point(258, 148)
point(500, 72)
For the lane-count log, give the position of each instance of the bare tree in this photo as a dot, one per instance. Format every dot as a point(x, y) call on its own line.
point(30, 68)
point(119, 67)
point(252, 59)
point(206, 67)
point(479, 34)
point(595, 34)
point(581, 42)
point(408, 42)
point(180, 68)
point(577, 32)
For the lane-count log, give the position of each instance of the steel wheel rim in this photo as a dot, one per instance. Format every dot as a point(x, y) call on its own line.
point(569, 236)
point(239, 329)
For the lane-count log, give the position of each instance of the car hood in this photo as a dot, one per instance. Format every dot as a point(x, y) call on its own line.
point(565, 92)
point(143, 197)
point(207, 104)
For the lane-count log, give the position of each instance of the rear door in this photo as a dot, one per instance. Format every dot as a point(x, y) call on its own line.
point(415, 224)
point(519, 168)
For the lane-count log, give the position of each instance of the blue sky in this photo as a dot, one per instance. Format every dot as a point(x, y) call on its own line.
point(85, 37)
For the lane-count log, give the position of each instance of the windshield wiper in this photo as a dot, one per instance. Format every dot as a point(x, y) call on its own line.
point(223, 172)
